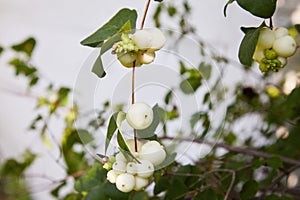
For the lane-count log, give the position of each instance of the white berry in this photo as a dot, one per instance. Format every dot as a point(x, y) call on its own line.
point(125, 182)
point(131, 168)
point(119, 167)
point(280, 32)
point(146, 57)
point(139, 116)
point(112, 176)
point(120, 157)
point(266, 38)
point(282, 60)
point(127, 59)
point(142, 39)
point(154, 152)
point(140, 183)
point(145, 168)
point(285, 46)
point(131, 145)
point(258, 54)
point(158, 39)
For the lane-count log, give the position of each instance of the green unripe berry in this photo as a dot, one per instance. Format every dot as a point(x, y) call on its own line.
point(270, 54)
point(263, 67)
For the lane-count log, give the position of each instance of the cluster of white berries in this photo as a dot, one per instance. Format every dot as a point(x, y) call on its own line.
point(139, 48)
point(135, 173)
point(273, 48)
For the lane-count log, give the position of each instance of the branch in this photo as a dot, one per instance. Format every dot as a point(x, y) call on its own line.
point(237, 149)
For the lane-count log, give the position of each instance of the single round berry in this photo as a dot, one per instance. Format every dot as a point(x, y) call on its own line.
point(139, 116)
point(158, 39)
point(125, 182)
point(145, 168)
point(280, 32)
point(112, 176)
point(154, 152)
point(127, 59)
point(131, 168)
point(140, 183)
point(120, 157)
point(142, 39)
point(146, 57)
point(266, 38)
point(283, 61)
point(119, 167)
point(285, 46)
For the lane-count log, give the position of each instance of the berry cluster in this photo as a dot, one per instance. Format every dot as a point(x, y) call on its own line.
point(273, 48)
point(139, 48)
point(135, 173)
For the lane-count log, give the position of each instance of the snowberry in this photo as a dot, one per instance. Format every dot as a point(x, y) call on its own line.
point(145, 168)
point(112, 176)
point(131, 145)
point(120, 157)
point(139, 116)
point(258, 54)
point(140, 183)
point(158, 39)
point(127, 59)
point(266, 38)
point(125, 182)
point(280, 32)
point(119, 167)
point(146, 57)
point(282, 60)
point(131, 168)
point(142, 39)
point(285, 46)
point(154, 152)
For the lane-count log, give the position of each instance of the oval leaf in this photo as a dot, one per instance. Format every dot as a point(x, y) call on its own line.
point(248, 45)
point(113, 26)
point(259, 8)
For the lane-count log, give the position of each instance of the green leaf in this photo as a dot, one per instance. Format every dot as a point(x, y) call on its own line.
point(161, 185)
point(26, 46)
point(111, 191)
point(97, 193)
point(140, 195)
point(150, 131)
point(177, 189)
point(98, 68)
point(111, 129)
point(122, 143)
point(226, 5)
point(259, 8)
point(94, 176)
point(1, 50)
point(274, 162)
point(190, 85)
point(113, 26)
point(248, 46)
point(249, 190)
point(205, 70)
point(22, 67)
point(85, 136)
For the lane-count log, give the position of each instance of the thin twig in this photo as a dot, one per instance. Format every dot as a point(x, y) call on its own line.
point(242, 150)
point(145, 14)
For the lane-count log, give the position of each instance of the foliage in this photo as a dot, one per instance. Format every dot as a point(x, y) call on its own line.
point(239, 165)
